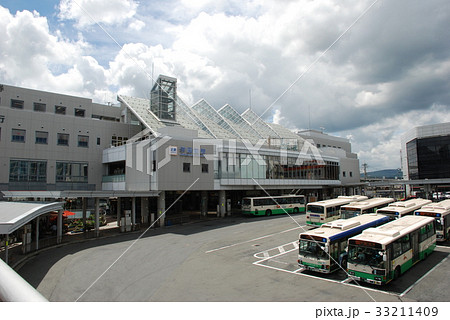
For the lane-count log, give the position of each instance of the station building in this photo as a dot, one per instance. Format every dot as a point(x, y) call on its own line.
point(152, 156)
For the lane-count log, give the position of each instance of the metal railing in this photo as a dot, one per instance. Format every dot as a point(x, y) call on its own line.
point(13, 288)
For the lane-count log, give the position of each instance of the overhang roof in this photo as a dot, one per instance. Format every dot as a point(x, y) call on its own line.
point(14, 215)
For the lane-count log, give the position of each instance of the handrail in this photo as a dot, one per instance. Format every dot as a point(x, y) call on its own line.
point(13, 288)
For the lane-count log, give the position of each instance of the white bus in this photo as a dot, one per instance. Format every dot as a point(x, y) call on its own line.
point(379, 255)
point(401, 208)
point(320, 212)
point(324, 249)
point(441, 212)
point(260, 206)
point(367, 206)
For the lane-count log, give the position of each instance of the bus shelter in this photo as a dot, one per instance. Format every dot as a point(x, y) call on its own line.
point(16, 215)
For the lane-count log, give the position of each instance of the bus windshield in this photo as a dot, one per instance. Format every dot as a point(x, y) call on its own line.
point(246, 202)
point(313, 249)
point(315, 209)
point(366, 256)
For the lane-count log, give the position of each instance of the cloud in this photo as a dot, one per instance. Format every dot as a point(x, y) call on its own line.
point(90, 12)
point(392, 66)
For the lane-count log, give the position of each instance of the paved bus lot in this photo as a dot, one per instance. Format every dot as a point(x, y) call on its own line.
point(233, 259)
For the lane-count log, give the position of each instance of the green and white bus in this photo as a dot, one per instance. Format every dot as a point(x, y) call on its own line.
point(441, 212)
point(379, 255)
point(324, 249)
point(367, 206)
point(401, 208)
point(320, 212)
point(260, 206)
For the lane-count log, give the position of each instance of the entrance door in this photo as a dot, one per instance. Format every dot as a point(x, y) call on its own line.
point(415, 246)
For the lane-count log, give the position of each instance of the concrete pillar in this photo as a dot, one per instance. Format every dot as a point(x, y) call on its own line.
point(37, 233)
point(222, 200)
point(161, 208)
point(144, 210)
point(6, 248)
point(84, 205)
point(119, 210)
point(133, 213)
point(59, 227)
point(204, 203)
point(97, 214)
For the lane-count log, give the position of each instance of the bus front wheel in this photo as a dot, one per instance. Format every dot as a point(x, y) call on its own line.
point(268, 212)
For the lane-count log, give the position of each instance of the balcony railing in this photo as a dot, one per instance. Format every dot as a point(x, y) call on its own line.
point(114, 178)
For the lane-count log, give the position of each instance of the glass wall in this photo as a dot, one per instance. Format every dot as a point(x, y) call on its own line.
point(246, 166)
point(429, 158)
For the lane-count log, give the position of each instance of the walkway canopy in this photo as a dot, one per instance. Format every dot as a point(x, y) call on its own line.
point(14, 215)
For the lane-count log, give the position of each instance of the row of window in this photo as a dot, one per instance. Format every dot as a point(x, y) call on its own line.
point(36, 171)
point(41, 137)
point(42, 107)
point(403, 244)
point(187, 167)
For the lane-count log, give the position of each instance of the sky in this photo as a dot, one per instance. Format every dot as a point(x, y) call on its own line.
point(366, 70)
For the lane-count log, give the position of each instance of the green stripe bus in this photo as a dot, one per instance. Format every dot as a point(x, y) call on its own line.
point(266, 206)
point(380, 255)
point(324, 249)
point(320, 212)
point(441, 212)
point(401, 208)
point(366, 206)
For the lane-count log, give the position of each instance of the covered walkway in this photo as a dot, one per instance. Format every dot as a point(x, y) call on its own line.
point(17, 215)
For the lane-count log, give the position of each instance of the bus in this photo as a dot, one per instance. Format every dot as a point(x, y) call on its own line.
point(367, 206)
point(441, 212)
point(260, 206)
point(320, 212)
point(379, 255)
point(324, 249)
point(401, 208)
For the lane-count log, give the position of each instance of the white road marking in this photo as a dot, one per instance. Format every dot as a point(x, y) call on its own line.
point(420, 279)
point(280, 249)
point(251, 240)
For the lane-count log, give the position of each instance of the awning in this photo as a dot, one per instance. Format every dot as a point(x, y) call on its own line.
point(14, 215)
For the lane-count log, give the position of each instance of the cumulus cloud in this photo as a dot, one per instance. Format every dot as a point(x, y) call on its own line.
point(90, 12)
point(388, 73)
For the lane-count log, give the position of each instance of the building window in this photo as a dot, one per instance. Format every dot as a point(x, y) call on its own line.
point(18, 135)
point(83, 141)
point(343, 174)
point(98, 141)
point(63, 139)
point(27, 171)
point(118, 141)
point(186, 167)
point(40, 107)
point(41, 137)
point(204, 167)
point(2, 119)
point(351, 174)
point(71, 172)
point(60, 110)
point(79, 112)
point(17, 104)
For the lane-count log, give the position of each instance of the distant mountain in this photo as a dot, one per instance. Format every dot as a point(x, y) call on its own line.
point(387, 174)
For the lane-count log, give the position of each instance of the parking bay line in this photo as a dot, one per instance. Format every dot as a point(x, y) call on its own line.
point(298, 272)
point(251, 240)
point(420, 279)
